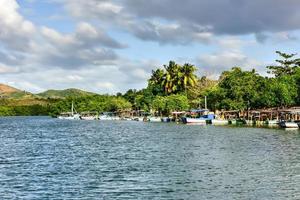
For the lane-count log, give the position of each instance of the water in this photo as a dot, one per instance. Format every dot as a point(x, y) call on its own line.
point(44, 158)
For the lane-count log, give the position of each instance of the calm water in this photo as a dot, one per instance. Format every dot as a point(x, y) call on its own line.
point(43, 158)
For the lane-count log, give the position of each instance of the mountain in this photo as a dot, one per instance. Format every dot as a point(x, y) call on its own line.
point(58, 94)
point(9, 92)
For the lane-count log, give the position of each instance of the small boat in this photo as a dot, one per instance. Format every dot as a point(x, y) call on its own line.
point(288, 124)
point(154, 119)
point(202, 117)
point(138, 119)
point(189, 120)
point(108, 116)
point(105, 117)
point(166, 119)
point(126, 119)
point(205, 119)
point(89, 116)
point(73, 115)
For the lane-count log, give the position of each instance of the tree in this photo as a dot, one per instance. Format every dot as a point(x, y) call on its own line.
point(171, 81)
point(155, 83)
point(240, 89)
point(287, 65)
point(187, 76)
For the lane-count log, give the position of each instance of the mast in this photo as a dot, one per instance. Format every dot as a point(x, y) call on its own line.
point(205, 103)
point(72, 111)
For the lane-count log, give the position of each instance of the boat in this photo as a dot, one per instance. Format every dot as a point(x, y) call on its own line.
point(139, 119)
point(288, 124)
point(126, 119)
point(73, 115)
point(154, 119)
point(89, 116)
point(166, 119)
point(108, 116)
point(199, 117)
point(189, 120)
point(105, 117)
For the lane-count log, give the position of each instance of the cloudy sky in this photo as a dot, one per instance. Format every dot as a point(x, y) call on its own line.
point(109, 46)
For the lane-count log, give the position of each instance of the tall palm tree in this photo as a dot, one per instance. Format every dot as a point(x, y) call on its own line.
point(157, 76)
point(187, 76)
point(171, 78)
point(156, 81)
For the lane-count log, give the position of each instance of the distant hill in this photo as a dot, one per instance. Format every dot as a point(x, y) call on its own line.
point(9, 92)
point(58, 94)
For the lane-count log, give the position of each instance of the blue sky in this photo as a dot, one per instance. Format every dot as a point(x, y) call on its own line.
point(110, 46)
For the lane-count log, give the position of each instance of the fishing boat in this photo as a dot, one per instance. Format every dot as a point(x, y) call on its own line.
point(73, 115)
point(199, 117)
point(288, 124)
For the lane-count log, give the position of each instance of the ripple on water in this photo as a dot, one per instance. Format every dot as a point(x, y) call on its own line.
point(48, 158)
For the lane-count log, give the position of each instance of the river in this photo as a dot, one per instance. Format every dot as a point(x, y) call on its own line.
point(44, 158)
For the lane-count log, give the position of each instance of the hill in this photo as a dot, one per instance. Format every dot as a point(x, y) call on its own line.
point(60, 94)
point(9, 92)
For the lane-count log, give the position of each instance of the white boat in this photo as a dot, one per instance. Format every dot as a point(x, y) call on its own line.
point(89, 118)
point(105, 117)
point(219, 122)
point(127, 119)
point(285, 124)
point(71, 115)
point(139, 119)
point(195, 120)
point(108, 118)
point(154, 119)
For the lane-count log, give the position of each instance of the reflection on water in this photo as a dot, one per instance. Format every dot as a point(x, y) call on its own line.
point(43, 158)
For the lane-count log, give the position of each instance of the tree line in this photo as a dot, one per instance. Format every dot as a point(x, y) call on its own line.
point(236, 89)
point(175, 87)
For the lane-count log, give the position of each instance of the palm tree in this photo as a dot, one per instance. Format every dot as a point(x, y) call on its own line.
point(171, 78)
point(156, 81)
point(157, 77)
point(187, 76)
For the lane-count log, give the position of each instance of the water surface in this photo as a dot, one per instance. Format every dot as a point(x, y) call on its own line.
point(44, 158)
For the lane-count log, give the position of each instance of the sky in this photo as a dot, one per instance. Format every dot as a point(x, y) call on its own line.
point(109, 46)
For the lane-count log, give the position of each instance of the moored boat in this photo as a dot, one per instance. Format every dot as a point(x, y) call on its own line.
point(89, 116)
point(73, 115)
point(288, 124)
point(154, 119)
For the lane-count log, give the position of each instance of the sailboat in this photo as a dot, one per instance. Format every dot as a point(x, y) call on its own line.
point(73, 115)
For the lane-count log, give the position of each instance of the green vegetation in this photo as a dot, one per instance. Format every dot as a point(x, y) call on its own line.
point(59, 94)
point(172, 87)
point(98, 103)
